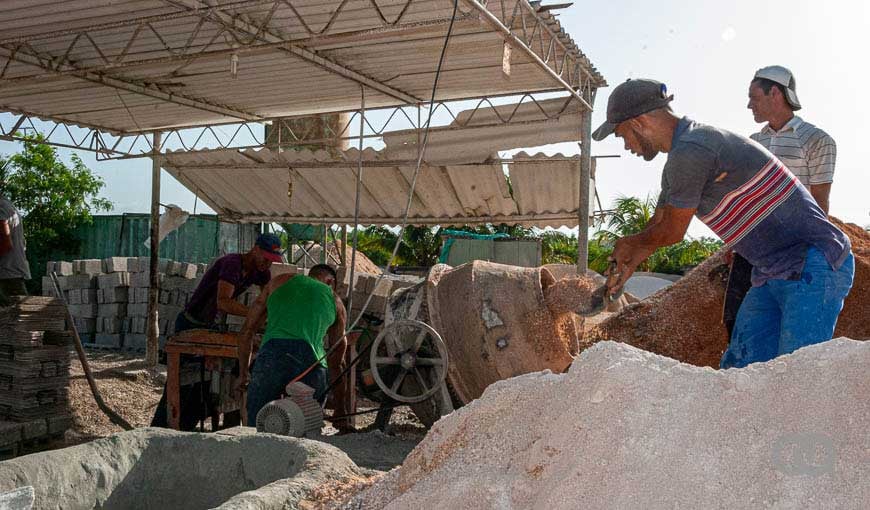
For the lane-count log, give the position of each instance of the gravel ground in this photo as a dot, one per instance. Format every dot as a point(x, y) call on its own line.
point(133, 391)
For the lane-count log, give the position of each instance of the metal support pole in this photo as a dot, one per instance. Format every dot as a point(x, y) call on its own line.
point(343, 253)
point(359, 176)
point(583, 203)
point(153, 328)
point(324, 244)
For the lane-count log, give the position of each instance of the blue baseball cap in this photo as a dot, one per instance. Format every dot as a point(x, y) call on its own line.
point(270, 245)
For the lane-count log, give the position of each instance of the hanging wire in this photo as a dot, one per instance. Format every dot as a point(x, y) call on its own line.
point(421, 153)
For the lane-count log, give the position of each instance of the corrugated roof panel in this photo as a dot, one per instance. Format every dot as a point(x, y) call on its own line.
point(544, 189)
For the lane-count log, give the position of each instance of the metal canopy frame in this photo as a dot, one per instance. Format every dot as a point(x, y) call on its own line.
point(138, 51)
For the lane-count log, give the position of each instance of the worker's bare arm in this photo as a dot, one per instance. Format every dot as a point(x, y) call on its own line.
point(822, 194)
point(335, 333)
point(5, 237)
point(630, 251)
point(254, 320)
point(225, 301)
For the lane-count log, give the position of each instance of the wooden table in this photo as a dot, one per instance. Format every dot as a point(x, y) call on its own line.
point(197, 342)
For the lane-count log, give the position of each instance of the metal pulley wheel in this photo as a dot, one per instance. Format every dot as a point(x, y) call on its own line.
point(408, 361)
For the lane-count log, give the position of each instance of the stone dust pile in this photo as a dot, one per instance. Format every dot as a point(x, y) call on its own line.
point(626, 428)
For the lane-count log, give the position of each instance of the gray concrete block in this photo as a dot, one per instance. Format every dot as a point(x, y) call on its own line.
point(63, 268)
point(112, 310)
point(105, 281)
point(74, 297)
point(109, 325)
point(88, 266)
point(89, 296)
point(85, 310)
point(85, 325)
point(137, 309)
point(113, 295)
point(115, 265)
point(188, 271)
point(78, 281)
point(132, 264)
point(144, 279)
point(109, 340)
point(164, 297)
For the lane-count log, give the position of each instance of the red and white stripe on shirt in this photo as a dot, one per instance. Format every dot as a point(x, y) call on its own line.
point(742, 209)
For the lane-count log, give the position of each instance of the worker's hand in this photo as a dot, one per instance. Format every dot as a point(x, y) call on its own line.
point(627, 255)
point(242, 382)
point(729, 257)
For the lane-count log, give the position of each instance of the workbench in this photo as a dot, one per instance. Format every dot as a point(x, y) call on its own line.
point(214, 348)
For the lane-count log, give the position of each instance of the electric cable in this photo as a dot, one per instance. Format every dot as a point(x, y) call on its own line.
point(420, 155)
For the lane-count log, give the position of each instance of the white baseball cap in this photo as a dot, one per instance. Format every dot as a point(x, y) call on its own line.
point(784, 77)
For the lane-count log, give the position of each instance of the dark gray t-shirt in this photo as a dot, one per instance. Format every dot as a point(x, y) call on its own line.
point(13, 264)
point(749, 199)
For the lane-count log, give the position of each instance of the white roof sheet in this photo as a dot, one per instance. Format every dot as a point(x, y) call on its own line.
point(128, 66)
point(294, 186)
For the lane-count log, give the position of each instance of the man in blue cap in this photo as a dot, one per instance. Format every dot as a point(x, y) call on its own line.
point(226, 279)
point(802, 264)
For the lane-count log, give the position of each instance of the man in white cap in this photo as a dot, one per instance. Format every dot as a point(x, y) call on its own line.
point(806, 150)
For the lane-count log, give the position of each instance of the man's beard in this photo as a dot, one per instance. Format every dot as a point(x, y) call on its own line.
point(647, 150)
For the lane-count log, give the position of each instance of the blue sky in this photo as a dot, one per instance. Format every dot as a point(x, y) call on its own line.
point(706, 51)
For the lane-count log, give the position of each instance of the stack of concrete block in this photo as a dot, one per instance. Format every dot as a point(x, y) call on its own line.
point(34, 372)
point(380, 287)
point(109, 298)
point(176, 283)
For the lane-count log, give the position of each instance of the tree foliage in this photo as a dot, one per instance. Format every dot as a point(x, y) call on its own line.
point(54, 199)
point(630, 216)
point(421, 245)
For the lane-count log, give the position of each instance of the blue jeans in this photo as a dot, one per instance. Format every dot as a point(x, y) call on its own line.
point(782, 316)
point(278, 362)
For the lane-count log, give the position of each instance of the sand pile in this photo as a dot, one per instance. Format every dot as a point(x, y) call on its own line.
point(626, 428)
point(854, 321)
point(684, 321)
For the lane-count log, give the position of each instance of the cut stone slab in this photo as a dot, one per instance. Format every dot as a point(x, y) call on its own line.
point(625, 428)
point(261, 471)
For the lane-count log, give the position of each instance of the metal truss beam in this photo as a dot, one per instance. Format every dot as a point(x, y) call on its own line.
point(262, 33)
point(21, 55)
point(568, 71)
point(132, 21)
point(58, 133)
point(398, 118)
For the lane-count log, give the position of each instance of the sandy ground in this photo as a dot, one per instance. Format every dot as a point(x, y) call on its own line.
point(133, 391)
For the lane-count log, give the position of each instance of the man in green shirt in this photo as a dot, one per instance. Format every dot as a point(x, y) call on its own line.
point(299, 312)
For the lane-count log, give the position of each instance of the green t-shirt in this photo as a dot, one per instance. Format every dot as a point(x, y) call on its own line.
point(303, 309)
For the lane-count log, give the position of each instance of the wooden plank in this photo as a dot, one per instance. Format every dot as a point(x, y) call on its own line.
point(173, 397)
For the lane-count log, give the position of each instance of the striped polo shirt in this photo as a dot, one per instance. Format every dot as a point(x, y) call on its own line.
point(806, 150)
point(750, 199)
